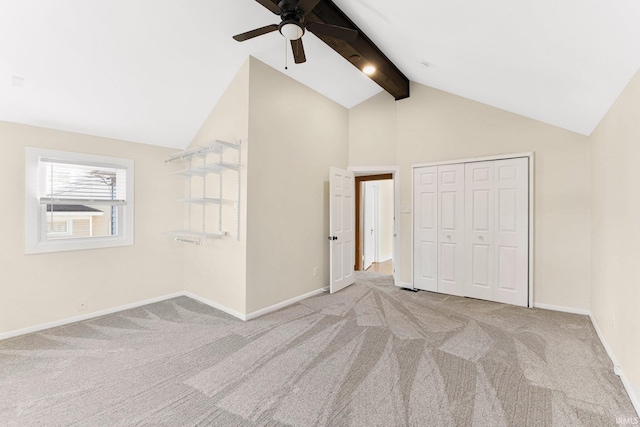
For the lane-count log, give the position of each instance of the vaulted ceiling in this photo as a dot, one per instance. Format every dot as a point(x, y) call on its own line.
point(150, 71)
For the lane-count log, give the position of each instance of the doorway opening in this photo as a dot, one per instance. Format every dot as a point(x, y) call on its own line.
point(374, 223)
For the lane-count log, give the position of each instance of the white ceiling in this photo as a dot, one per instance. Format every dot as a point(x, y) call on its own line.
point(150, 71)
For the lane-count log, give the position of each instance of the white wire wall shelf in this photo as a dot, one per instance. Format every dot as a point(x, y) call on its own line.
point(195, 238)
point(210, 168)
point(215, 147)
point(219, 158)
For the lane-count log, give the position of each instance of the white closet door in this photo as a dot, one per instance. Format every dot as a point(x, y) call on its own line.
point(511, 231)
point(451, 229)
point(425, 219)
point(479, 226)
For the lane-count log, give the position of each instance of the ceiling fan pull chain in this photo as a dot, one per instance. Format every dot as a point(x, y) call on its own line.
point(285, 55)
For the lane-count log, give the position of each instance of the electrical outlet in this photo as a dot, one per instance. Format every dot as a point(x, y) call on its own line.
point(315, 272)
point(83, 304)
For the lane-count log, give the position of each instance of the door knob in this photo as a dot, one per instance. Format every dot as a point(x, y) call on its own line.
point(481, 237)
point(449, 236)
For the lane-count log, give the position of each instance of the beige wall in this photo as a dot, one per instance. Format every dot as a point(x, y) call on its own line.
point(296, 134)
point(41, 288)
point(433, 125)
point(373, 132)
point(291, 135)
point(615, 237)
point(217, 270)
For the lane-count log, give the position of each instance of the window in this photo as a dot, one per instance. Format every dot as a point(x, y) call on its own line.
point(59, 228)
point(77, 201)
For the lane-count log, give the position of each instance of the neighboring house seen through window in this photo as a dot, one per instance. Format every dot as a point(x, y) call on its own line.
point(77, 201)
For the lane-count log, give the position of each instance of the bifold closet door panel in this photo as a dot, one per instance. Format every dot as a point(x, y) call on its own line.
point(512, 231)
point(451, 229)
point(425, 221)
point(471, 230)
point(479, 230)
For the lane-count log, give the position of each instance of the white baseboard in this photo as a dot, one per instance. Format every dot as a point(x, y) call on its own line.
point(571, 310)
point(215, 305)
point(257, 313)
point(283, 304)
point(633, 392)
point(73, 319)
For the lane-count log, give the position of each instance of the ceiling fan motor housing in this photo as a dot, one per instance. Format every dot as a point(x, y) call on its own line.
point(291, 26)
point(289, 6)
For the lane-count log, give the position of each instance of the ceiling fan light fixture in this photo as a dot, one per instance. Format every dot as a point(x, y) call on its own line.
point(291, 31)
point(369, 70)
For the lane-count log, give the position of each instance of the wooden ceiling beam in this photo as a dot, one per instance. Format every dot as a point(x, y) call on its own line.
point(362, 51)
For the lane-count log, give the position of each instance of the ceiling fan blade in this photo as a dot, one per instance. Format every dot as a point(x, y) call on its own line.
point(298, 51)
point(334, 31)
point(255, 33)
point(270, 5)
point(307, 5)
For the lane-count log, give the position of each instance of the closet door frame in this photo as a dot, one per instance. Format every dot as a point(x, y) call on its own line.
point(531, 160)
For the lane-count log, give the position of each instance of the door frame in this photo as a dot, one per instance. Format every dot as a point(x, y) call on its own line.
point(531, 158)
point(367, 171)
point(359, 239)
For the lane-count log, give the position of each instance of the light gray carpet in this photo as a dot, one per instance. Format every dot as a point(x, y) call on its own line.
point(370, 355)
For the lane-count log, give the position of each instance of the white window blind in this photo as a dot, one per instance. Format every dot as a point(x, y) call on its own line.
point(67, 183)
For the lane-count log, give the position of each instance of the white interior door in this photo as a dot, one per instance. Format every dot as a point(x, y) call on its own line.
point(451, 229)
point(368, 226)
point(425, 219)
point(479, 227)
point(341, 228)
point(512, 231)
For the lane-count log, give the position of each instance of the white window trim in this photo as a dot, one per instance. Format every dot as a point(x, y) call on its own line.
point(35, 212)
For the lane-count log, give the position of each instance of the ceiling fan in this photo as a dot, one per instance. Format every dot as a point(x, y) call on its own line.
point(293, 25)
